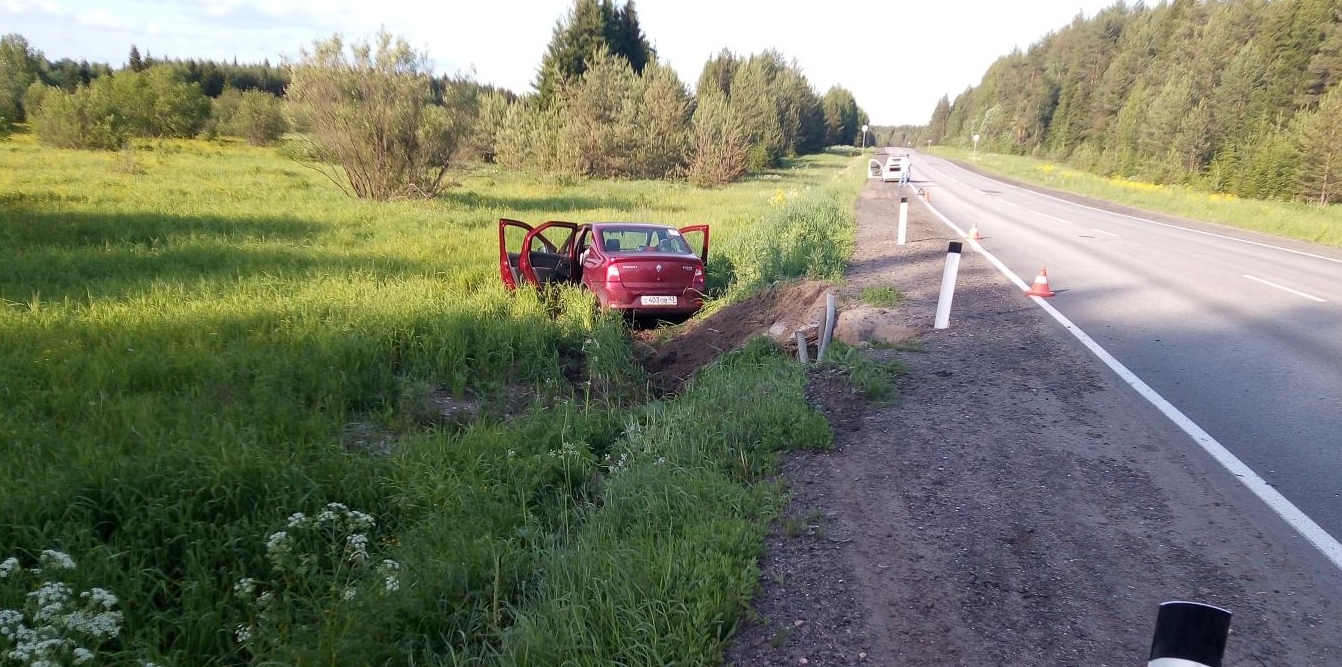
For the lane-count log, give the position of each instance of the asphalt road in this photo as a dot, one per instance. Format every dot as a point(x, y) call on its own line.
point(1241, 332)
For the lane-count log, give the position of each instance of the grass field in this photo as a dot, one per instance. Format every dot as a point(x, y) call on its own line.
point(1306, 222)
point(221, 392)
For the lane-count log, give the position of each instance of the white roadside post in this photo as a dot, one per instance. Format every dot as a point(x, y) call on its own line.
point(976, 145)
point(902, 235)
point(948, 286)
point(801, 347)
point(864, 139)
point(827, 333)
point(1189, 634)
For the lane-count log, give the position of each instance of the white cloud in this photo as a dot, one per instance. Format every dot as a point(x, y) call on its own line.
point(102, 19)
point(944, 46)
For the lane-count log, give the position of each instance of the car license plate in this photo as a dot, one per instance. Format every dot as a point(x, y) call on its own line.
point(658, 301)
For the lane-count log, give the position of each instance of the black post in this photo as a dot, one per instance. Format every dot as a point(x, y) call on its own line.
point(1189, 632)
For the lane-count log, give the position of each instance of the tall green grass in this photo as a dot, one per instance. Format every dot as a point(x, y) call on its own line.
point(1302, 221)
point(201, 339)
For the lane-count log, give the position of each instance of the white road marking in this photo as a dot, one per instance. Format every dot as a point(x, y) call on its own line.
point(1050, 217)
point(1284, 288)
point(1101, 231)
point(1173, 226)
point(1308, 529)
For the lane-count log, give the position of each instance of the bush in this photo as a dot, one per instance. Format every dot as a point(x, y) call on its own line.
point(721, 148)
point(258, 119)
point(86, 118)
point(222, 110)
point(610, 123)
point(103, 114)
point(369, 112)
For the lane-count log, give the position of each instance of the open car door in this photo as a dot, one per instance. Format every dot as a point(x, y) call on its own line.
point(510, 256)
point(549, 253)
point(688, 233)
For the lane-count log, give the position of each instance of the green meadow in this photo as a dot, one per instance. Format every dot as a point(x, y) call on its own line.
point(1296, 220)
point(222, 394)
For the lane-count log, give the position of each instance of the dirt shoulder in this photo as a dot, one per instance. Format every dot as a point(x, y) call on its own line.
point(1017, 505)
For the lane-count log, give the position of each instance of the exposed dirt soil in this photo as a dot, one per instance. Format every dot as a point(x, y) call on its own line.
point(1017, 506)
point(701, 341)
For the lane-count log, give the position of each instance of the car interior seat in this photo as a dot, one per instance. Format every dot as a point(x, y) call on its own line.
point(611, 245)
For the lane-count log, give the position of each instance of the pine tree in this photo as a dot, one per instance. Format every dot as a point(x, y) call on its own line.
point(590, 26)
point(135, 63)
point(625, 37)
point(941, 116)
point(717, 74)
point(1319, 145)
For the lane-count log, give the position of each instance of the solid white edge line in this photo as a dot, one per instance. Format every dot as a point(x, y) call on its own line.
point(1285, 288)
point(1101, 231)
point(1157, 222)
point(1308, 529)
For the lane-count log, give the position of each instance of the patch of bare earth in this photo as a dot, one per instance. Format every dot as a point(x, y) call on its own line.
point(1017, 506)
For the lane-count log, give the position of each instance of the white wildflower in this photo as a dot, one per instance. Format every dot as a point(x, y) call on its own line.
point(512, 453)
point(243, 633)
point(389, 570)
point(102, 625)
point(100, 597)
point(336, 510)
point(82, 655)
point(350, 593)
point(56, 560)
point(356, 548)
point(50, 600)
point(298, 520)
point(661, 460)
point(245, 588)
point(7, 566)
point(277, 542)
point(361, 521)
point(263, 600)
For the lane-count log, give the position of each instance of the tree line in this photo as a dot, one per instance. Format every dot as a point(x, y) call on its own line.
point(1238, 96)
point(371, 115)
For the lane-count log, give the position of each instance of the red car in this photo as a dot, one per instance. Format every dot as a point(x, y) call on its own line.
point(638, 268)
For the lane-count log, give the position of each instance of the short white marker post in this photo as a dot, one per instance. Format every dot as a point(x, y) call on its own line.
point(828, 332)
point(948, 286)
point(903, 221)
point(1189, 634)
point(801, 348)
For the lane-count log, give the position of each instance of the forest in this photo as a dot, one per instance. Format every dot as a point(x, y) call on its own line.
point(1236, 96)
point(603, 106)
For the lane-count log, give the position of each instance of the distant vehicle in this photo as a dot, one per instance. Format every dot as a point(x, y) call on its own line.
point(897, 169)
point(637, 268)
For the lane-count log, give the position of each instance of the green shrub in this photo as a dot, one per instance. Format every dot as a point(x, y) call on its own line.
point(86, 118)
point(258, 119)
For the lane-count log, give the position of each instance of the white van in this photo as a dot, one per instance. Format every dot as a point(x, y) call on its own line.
point(893, 168)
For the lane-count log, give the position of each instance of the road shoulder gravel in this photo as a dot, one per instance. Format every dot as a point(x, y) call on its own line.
point(1017, 505)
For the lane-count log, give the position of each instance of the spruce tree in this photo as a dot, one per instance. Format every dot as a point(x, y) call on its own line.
point(588, 27)
point(1319, 145)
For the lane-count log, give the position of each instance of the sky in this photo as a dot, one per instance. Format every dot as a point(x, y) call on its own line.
point(897, 57)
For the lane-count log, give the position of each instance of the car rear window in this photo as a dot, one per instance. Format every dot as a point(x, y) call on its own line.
point(643, 240)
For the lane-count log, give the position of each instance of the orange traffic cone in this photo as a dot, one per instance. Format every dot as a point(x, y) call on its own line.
point(1040, 286)
point(973, 234)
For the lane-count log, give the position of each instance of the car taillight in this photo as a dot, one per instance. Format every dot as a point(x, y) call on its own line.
point(612, 274)
point(698, 280)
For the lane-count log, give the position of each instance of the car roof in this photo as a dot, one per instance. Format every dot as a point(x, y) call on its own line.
point(630, 225)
